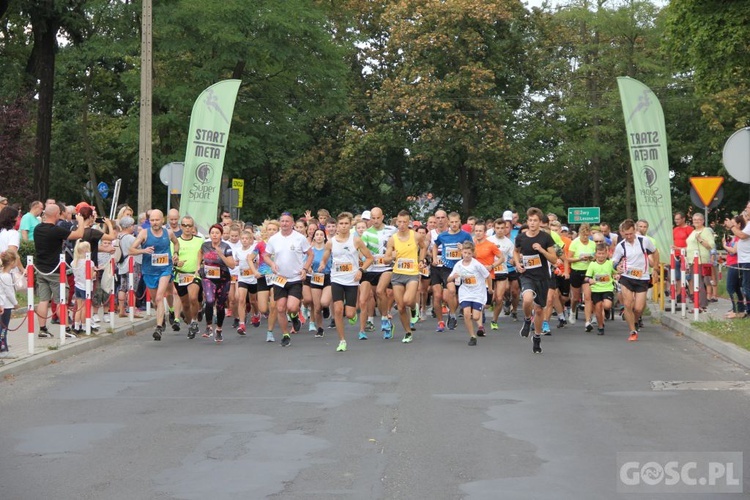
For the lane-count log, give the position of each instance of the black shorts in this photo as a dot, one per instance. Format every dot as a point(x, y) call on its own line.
point(345, 294)
point(597, 297)
point(634, 285)
point(252, 288)
point(263, 285)
point(500, 277)
point(577, 278)
point(553, 282)
point(326, 282)
point(513, 276)
point(539, 287)
point(183, 290)
point(293, 289)
point(563, 285)
point(439, 275)
point(371, 277)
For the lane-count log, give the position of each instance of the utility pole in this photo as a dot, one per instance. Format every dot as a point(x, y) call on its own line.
point(145, 160)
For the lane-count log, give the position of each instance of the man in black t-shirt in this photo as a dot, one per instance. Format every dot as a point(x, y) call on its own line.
point(534, 254)
point(48, 242)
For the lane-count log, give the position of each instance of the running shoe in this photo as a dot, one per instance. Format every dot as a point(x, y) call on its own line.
point(589, 327)
point(369, 327)
point(208, 333)
point(342, 346)
point(286, 340)
point(333, 324)
point(44, 333)
point(561, 322)
point(385, 324)
point(176, 325)
point(296, 323)
point(193, 329)
point(633, 336)
point(506, 308)
point(413, 323)
point(493, 325)
point(545, 327)
point(572, 318)
point(514, 315)
point(241, 329)
point(440, 327)
point(407, 338)
point(218, 337)
point(236, 323)
point(312, 327)
point(255, 320)
point(480, 332)
point(171, 317)
point(387, 335)
point(473, 341)
point(157, 332)
point(269, 337)
point(353, 320)
point(639, 324)
point(362, 336)
point(526, 328)
point(319, 334)
point(326, 313)
point(452, 322)
point(537, 345)
point(600, 331)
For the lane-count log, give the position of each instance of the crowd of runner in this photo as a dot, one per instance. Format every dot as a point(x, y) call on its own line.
point(311, 270)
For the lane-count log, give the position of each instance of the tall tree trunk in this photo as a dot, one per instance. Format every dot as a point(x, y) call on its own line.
point(45, 46)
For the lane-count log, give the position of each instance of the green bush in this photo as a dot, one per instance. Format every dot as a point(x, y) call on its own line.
point(27, 248)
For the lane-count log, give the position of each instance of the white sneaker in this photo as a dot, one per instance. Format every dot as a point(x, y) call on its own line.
point(572, 318)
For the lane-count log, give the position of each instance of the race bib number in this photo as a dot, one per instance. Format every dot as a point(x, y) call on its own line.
point(585, 256)
point(233, 278)
point(634, 273)
point(454, 254)
point(406, 264)
point(379, 261)
point(345, 267)
point(278, 280)
point(532, 261)
point(246, 273)
point(159, 259)
point(469, 280)
point(425, 272)
point(212, 272)
point(602, 278)
point(318, 279)
point(500, 269)
point(184, 279)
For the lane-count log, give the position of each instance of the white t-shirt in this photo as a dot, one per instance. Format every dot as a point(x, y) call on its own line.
point(635, 257)
point(289, 254)
point(743, 247)
point(244, 268)
point(9, 237)
point(473, 275)
point(235, 271)
point(345, 261)
point(506, 246)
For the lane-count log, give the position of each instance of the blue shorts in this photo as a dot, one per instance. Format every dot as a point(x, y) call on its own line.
point(474, 305)
point(80, 294)
point(152, 280)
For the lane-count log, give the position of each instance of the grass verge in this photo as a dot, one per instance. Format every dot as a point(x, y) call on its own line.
point(735, 331)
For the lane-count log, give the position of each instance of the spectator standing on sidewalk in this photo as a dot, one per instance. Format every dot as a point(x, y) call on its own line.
point(734, 284)
point(30, 220)
point(743, 253)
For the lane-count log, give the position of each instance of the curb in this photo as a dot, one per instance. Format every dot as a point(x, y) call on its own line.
point(729, 351)
point(56, 355)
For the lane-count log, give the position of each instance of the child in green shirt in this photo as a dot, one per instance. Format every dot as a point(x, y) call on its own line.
point(600, 276)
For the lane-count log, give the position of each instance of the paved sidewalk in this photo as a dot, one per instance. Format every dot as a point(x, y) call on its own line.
point(715, 311)
point(49, 350)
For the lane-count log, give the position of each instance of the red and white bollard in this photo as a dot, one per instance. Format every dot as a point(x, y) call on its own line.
point(696, 286)
point(683, 280)
point(112, 293)
point(62, 305)
point(148, 302)
point(88, 293)
point(30, 302)
point(131, 289)
point(672, 280)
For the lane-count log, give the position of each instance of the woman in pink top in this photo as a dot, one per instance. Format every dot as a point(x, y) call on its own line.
point(734, 285)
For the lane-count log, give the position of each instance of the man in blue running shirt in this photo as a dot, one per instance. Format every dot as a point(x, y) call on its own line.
point(450, 242)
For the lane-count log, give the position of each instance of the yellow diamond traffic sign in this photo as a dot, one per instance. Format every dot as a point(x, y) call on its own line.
point(707, 187)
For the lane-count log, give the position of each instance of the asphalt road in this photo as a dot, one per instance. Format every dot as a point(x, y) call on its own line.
point(435, 419)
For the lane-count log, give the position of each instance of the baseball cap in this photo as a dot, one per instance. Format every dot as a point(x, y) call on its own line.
point(565, 228)
point(81, 205)
point(366, 215)
point(507, 215)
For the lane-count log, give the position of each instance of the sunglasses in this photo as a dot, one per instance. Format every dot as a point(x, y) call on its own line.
point(186, 225)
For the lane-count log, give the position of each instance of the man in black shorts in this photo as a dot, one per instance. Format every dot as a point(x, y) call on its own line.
point(534, 252)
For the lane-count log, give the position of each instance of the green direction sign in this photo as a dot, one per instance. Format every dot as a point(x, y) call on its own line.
point(579, 215)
